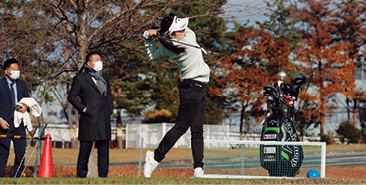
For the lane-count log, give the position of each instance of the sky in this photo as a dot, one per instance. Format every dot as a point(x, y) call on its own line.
point(254, 12)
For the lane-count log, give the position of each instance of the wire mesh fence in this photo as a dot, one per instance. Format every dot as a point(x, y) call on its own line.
point(263, 159)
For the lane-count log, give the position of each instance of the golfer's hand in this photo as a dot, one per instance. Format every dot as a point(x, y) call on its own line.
point(4, 124)
point(152, 32)
point(22, 109)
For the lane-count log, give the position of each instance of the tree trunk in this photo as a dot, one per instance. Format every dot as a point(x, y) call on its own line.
point(348, 110)
point(72, 130)
point(247, 124)
point(92, 165)
point(241, 122)
point(301, 138)
point(355, 112)
point(322, 125)
point(322, 119)
point(73, 134)
point(119, 129)
point(77, 128)
point(119, 122)
point(322, 100)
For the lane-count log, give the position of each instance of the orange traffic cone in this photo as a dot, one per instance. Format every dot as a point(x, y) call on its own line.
point(46, 168)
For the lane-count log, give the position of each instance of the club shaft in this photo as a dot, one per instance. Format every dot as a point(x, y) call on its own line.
point(21, 162)
point(198, 47)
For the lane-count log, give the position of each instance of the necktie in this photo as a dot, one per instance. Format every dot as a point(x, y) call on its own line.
point(12, 95)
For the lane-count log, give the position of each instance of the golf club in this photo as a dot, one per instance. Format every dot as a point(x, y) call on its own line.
point(160, 37)
point(16, 173)
point(34, 149)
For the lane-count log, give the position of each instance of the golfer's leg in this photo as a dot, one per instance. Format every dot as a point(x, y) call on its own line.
point(168, 141)
point(197, 130)
point(185, 116)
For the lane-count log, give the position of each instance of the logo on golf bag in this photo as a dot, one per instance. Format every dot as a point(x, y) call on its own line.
point(269, 150)
point(270, 136)
point(272, 122)
point(292, 148)
point(269, 158)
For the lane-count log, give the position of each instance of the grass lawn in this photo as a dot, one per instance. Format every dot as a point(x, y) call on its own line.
point(165, 180)
point(69, 156)
point(334, 175)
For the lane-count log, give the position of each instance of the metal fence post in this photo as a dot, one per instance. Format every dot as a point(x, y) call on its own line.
point(142, 146)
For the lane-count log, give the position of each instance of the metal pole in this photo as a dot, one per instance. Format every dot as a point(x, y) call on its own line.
point(21, 162)
point(35, 164)
point(142, 144)
point(242, 161)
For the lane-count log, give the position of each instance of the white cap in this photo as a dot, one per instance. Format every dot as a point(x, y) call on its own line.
point(178, 24)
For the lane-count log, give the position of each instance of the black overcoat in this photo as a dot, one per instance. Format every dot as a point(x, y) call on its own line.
point(95, 124)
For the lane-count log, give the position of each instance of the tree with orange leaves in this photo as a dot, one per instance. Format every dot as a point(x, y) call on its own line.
point(349, 19)
point(258, 56)
point(326, 63)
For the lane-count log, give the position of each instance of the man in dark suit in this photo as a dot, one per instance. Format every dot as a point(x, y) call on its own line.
point(12, 90)
point(96, 106)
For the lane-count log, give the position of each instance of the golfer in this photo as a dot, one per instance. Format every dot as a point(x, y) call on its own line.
point(195, 75)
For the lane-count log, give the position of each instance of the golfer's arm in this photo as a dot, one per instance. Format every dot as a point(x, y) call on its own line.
point(155, 54)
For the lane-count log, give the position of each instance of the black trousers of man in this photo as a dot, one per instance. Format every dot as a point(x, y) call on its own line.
point(103, 158)
point(19, 148)
point(191, 114)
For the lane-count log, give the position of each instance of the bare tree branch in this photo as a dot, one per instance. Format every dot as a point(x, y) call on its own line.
point(108, 22)
point(73, 4)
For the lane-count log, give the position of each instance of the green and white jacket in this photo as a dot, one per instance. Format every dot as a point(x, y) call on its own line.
point(190, 62)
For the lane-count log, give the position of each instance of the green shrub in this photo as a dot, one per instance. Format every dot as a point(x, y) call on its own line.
point(347, 131)
point(329, 138)
point(363, 135)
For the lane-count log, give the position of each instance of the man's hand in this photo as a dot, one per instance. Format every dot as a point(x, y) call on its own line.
point(22, 109)
point(4, 124)
point(84, 110)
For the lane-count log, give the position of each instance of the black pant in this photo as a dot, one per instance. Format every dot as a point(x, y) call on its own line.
point(103, 158)
point(19, 149)
point(191, 114)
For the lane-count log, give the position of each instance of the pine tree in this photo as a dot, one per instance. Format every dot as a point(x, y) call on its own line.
point(281, 23)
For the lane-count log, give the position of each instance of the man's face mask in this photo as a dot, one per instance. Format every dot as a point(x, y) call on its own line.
point(14, 74)
point(98, 65)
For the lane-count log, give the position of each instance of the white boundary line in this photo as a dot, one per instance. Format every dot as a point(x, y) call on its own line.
point(248, 177)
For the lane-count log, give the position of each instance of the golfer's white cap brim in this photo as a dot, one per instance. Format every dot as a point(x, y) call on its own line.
point(178, 24)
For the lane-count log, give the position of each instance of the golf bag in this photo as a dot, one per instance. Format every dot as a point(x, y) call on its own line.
point(282, 160)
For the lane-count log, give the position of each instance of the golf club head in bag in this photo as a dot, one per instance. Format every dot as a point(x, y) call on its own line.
point(270, 90)
point(298, 81)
